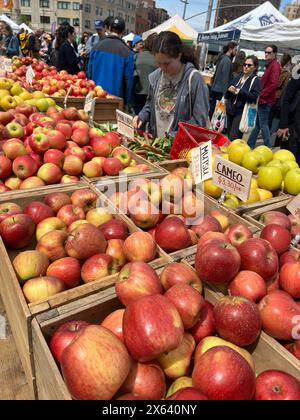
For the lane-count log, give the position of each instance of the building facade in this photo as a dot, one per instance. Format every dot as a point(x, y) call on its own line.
point(225, 14)
point(48, 14)
point(292, 11)
point(148, 16)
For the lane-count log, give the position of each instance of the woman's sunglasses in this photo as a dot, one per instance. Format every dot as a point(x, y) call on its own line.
point(248, 65)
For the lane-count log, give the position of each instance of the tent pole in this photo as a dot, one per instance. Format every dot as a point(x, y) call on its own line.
point(204, 49)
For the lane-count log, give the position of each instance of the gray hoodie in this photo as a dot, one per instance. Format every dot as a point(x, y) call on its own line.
point(199, 98)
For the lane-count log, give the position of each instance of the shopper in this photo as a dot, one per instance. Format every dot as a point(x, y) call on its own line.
point(46, 46)
point(68, 57)
point(177, 91)
point(145, 64)
point(267, 97)
point(11, 46)
point(137, 44)
point(244, 89)
point(289, 125)
point(222, 76)
point(34, 43)
point(111, 62)
point(95, 38)
point(237, 66)
point(82, 49)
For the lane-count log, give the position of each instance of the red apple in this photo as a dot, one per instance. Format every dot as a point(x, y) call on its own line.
point(57, 140)
point(140, 246)
point(114, 323)
point(40, 288)
point(279, 237)
point(146, 380)
point(5, 167)
point(277, 385)
point(135, 280)
point(57, 200)
point(208, 224)
point(72, 165)
point(249, 285)
point(64, 335)
point(69, 214)
point(289, 256)
point(180, 273)
point(277, 218)
point(17, 230)
point(85, 241)
point(81, 136)
point(84, 198)
point(30, 264)
point(259, 256)
point(172, 235)
point(278, 312)
point(54, 156)
point(221, 373)
point(9, 209)
point(217, 262)
point(24, 166)
point(209, 237)
point(97, 267)
point(237, 320)
point(101, 147)
point(112, 166)
point(114, 229)
point(38, 211)
point(144, 214)
point(50, 173)
point(237, 234)
point(13, 148)
point(39, 143)
point(52, 244)
point(95, 364)
point(66, 269)
point(152, 326)
point(289, 278)
point(205, 327)
point(113, 138)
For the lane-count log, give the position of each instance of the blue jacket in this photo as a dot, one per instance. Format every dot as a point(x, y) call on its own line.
point(12, 45)
point(111, 66)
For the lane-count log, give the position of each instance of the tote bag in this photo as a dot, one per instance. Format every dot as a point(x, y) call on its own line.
point(249, 115)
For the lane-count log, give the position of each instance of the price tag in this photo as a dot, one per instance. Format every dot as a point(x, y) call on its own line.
point(125, 124)
point(30, 75)
point(202, 163)
point(2, 63)
point(8, 65)
point(89, 104)
point(294, 206)
point(232, 178)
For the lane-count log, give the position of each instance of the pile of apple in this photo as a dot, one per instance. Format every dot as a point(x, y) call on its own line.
point(262, 269)
point(53, 82)
point(58, 147)
point(75, 242)
point(165, 332)
point(13, 94)
point(272, 173)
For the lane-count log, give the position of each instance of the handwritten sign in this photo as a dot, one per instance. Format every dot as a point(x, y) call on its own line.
point(89, 105)
point(125, 124)
point(7, 65)
point(202, 163)
point(30, 75)
point(294, 206)
point(232, 178)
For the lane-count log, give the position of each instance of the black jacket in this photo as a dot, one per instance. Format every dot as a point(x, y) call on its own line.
point(68, 59)
point(236, 108)
point(290, 105)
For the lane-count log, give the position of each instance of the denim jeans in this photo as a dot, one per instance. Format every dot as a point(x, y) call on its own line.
point(262, 123)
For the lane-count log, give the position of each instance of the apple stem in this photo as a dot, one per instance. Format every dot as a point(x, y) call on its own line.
point(277, 389)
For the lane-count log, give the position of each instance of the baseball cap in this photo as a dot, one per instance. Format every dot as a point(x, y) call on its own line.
point(99, 24)
point(136, 40)
point(118, 24)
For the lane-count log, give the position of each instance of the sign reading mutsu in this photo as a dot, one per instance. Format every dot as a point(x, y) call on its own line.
point(232, 178)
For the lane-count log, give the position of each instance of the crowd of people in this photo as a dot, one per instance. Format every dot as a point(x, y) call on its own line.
point(160, 82)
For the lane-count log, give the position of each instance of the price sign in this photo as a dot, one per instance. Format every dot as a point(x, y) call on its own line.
point(2, 65)
point(7, 65)
point(89, 105)
point(202, 163)
point(294, 206)
point(125, 124)
point(232, 178)
point(30, 75)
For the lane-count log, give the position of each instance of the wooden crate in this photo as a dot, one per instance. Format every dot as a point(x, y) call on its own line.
point(170, 165)
point(50, 384)
point(19, 312)
point(254, 215)
point(105, 109)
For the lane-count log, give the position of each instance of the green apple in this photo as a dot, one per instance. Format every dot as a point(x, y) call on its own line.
point(8, 102)
point(26, 95)
point(42, 104)
point(4, 92)
point(252, 161)
point(292, 182)
point(266, 152)
point(284, 155)
point(269, 178)
point(292, 164)
point(18, 100)
point(281, 165)
point(236, 151)
point(51, 102)
point(5, 83)
point(38, 95)
point(16, 89)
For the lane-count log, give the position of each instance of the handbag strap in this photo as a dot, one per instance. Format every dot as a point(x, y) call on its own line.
point(252, 83)
point(190, 89)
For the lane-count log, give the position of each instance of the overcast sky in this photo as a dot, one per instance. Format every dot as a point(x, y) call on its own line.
point(195, 6)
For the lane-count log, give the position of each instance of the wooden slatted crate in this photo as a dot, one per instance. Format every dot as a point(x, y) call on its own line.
point(19, 312)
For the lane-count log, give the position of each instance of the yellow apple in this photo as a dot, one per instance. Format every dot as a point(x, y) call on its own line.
point(16, 89)
point(254, 197)
point(183, 382)
point(25, 95)
point(18, 100)
point(292, 164)
point(237, 150)
point(231, 201)
point(51, 102)
point(5, 83)
point(209, 342)
point(38, 95)
point(8, 102)
point(222, 218)
point(252, 161)
point(292, 182)
point(269, 178)
point(98, 216)
point(225, 156)
point(264, 194)
point(281, 165)
point(211, 189)
point(4, 92)
point(284, 155)
point(254, 183)
point(266, 152)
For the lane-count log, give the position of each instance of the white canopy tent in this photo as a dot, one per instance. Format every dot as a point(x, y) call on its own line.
point(175, 24)
point(10, 22)
point(128, 37)
point(25, 27)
